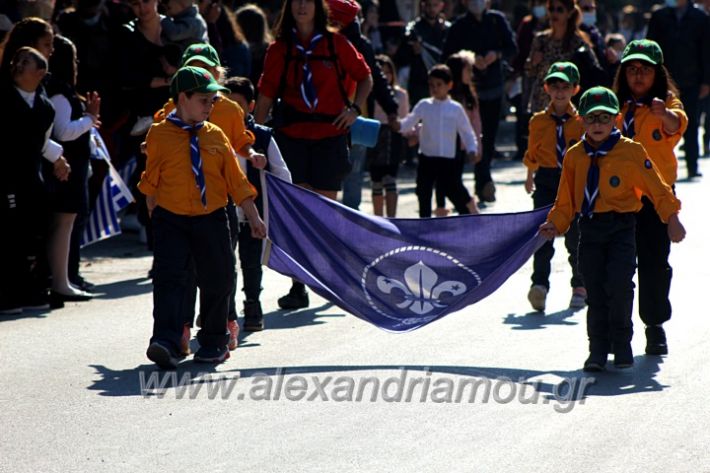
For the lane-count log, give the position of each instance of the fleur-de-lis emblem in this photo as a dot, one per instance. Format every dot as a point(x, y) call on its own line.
point(421, 291)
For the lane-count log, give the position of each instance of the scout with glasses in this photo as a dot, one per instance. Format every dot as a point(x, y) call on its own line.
point(603, 177)
point(190, 170)
point(550, 133)
point(652, 115)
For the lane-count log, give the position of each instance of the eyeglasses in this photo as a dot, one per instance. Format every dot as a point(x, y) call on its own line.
point(603, 118)
point(643, 70)
point(559, 10)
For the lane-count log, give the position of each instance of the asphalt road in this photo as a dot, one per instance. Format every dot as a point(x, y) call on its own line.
point(493, 388)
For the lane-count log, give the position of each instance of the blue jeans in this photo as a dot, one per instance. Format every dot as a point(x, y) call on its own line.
point(352, 185)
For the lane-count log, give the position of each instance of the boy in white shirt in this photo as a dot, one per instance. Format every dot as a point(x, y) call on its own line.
point(442, 120)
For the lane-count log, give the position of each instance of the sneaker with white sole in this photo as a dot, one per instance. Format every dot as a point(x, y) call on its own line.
point(579, 298)
point(537, 296)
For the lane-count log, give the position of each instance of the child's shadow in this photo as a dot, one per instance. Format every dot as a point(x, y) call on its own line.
point(539, 320)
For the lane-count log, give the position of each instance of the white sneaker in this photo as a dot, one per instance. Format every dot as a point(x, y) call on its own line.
point(537, 296)
point(141, 126)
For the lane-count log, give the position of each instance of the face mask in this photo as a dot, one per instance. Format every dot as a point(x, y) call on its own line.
point(477, 6)
point(539, 11)
point(589, 18)
point(672, 3)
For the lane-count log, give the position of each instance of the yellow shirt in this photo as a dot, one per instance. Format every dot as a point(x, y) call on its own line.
point(168, 173)
point(624, 175)
point(650, 133)
point(542, 139)
point(226, 114)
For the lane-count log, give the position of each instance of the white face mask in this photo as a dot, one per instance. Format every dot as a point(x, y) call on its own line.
point(477, 6)
point(589, 18)
point(539, 11)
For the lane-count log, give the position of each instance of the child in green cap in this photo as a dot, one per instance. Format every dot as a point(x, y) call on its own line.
point(653, 115)
point(551, 132)
point(190, 170)
point(603, 177)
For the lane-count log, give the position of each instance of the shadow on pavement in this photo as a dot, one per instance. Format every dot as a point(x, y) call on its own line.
point(126, 288)
point(569, 386)
point(538, 320)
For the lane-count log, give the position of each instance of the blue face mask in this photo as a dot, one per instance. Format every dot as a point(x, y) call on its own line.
point(539, 11)
point(672, 3)
point(589, 18)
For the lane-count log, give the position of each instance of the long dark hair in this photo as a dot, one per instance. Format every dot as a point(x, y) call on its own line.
point(465, 94)
point(286, 23)
point(575, 19)
point(252, 21)
point(63, 67)
point(662, 83)
point(26, 32)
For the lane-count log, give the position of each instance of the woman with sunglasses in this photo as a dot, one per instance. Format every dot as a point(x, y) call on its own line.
point(652, 114)
point(559, 43)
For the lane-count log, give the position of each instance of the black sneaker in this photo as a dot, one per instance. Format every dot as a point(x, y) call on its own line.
point(295, 299)
point(656, 343)
point(38, 300)
point(253, 316)
point(623, 355)
point(595, 363)
point(212, 354)
point(163, 356)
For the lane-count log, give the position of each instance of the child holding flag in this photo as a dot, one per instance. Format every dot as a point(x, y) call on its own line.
point(551, 132)
point(602, 179)
point(190, 170)
point(651, 115)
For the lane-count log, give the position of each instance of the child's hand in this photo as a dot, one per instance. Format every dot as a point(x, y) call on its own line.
point(258, 160)
point(658, 107)
point(93, 105)
point(529, 183)
point(258, 229)
point(676, 231)
point(548, 230)
point(61, 169)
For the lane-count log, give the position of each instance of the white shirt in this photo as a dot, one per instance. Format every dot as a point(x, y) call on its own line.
point(51, 150)
point(66, 129)
point(441, 121)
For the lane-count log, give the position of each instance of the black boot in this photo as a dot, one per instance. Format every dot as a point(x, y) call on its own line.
point(623, 355)
point(297, 297)
point(598, 354)
point(253, 316)
point(656, 343)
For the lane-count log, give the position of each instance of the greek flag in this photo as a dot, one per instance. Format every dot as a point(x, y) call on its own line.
point(114, 197)
point(397, 274)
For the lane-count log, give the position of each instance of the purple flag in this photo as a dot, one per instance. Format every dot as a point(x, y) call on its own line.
point(398, 274)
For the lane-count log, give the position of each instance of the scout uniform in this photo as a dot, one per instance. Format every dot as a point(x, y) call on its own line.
point(604, 186)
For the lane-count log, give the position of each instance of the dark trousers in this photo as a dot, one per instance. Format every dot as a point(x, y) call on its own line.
point(24, 218)
point(547, 180)
point(689, 96)
point(444, 172)
point(440, 190)
point(179, 242)
point(191, 291)
point(607, 261)
point(490, 118)
point(654, 273)
point(250, 261)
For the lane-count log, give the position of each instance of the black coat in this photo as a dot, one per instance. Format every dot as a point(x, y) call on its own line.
point(685, 44)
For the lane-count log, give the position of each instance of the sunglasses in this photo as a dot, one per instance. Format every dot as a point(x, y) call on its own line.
point(603, 118)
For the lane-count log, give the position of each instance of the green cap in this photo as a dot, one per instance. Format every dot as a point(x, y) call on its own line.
point(565, 71)
point(201, 52)
point(194, 79)
point(643, 50)
point(598, 99)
